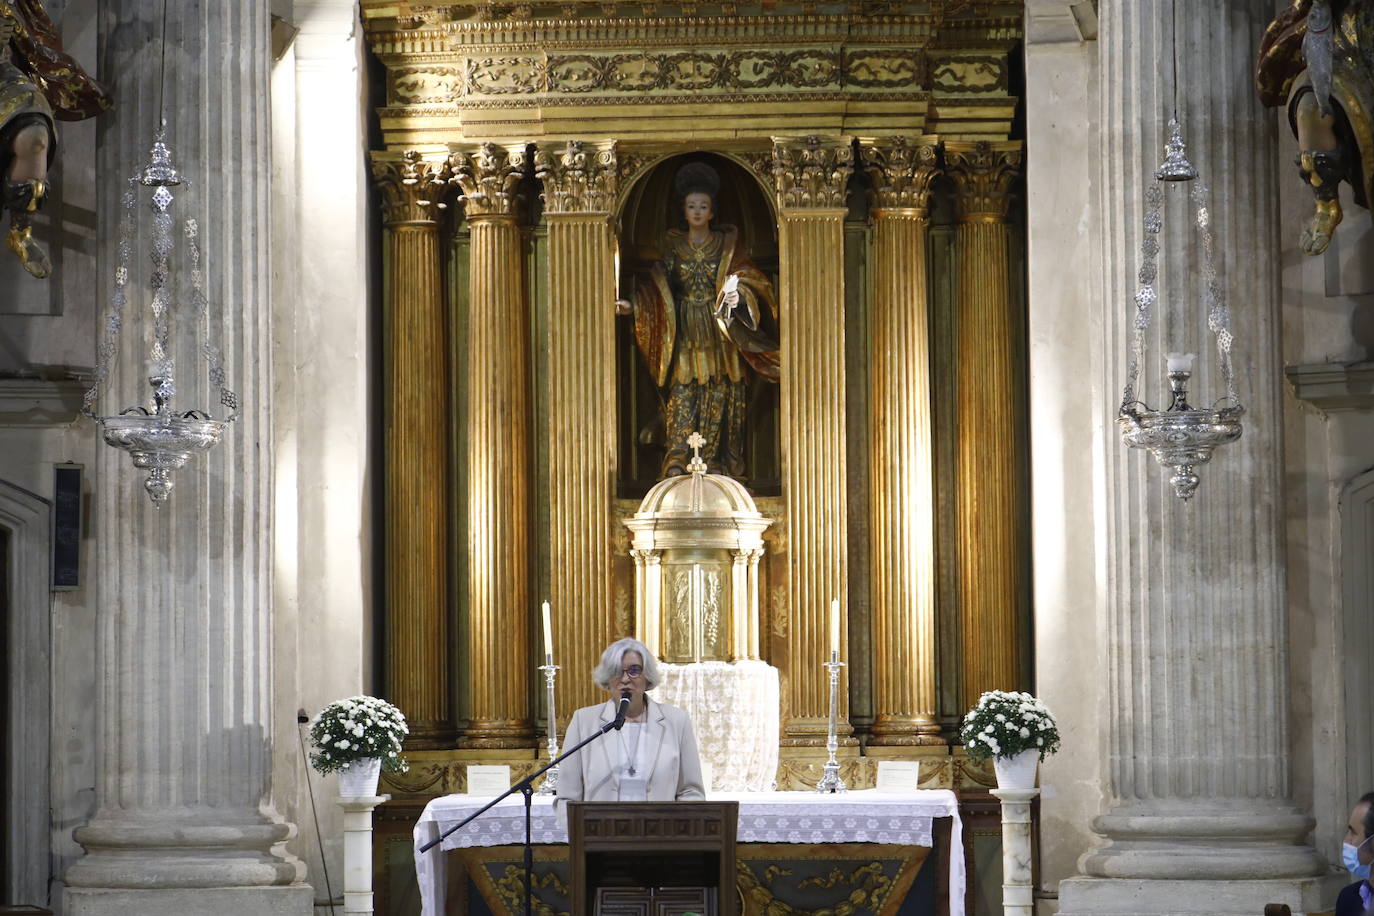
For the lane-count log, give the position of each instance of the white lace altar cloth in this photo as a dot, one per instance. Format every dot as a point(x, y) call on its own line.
point(734, 711)
point(866, 816)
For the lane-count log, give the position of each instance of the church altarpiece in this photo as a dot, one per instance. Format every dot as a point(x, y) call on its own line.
point(524, 167)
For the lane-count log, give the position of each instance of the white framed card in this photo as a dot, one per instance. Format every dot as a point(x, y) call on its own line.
point(488, 779)
point(898, 775)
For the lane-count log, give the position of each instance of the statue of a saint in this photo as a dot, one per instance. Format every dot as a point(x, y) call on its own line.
point(699, 323)
point(37, 83)
point(1317, 57)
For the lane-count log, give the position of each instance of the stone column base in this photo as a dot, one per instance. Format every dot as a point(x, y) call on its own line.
point(294, 900)
point(1145, 897)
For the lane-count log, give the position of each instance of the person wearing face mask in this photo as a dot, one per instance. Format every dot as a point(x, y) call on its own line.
point(652, 757)
point(1357, 853)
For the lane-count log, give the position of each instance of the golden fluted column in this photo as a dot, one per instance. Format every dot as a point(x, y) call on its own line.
point(416, 442)
point(497, 420)
point(810, 176)
point(579, 196)
point(901, 445)
point(991, 543)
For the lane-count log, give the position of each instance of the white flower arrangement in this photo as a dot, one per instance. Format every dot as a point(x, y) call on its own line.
point(1004, 724)
point(355, 729)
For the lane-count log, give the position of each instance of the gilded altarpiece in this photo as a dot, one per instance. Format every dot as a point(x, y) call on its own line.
point(518, 145)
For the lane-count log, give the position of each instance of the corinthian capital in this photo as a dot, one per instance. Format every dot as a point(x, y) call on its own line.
point(413, 185)
point(811, 172)
point(983, 173)
point(578, 177)
point(902, 170)
point(489, 177)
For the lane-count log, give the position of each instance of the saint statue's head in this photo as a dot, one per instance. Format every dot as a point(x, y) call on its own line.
point(697, 186)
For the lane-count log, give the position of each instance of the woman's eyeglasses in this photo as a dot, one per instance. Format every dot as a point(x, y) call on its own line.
point(632, 671)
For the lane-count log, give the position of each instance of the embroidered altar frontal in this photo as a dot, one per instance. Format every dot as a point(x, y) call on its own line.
point(849, 879)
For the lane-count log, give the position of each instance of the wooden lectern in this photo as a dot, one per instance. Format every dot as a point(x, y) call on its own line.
point(652, 858)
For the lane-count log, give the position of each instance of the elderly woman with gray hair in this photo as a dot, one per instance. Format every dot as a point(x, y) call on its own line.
point(653, 757)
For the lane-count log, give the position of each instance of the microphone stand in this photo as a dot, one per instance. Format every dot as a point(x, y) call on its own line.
point(526, 788)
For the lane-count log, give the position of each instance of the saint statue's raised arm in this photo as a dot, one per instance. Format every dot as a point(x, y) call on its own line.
point(700, 314)
point(38, 82)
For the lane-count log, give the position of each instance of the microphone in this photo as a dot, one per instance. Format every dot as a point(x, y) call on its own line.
point(621, 709)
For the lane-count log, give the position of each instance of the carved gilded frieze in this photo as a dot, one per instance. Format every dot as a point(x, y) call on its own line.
point(489, 177)
point(578, 177)
point(454, 73)
point(976, 75)
point(812, 172)
point(902, 171)
point(638, 72)
point(415, 14)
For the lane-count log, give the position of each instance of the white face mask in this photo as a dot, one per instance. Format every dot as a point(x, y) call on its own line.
point(1350, 857)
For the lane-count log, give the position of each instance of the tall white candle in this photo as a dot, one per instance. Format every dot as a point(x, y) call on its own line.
point(548, 632)
point(835, 626)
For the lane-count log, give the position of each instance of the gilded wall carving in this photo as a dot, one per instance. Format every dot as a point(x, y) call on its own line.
point(983, 172)
point(578, 177)
point(459, 69)
point(901, 171)
point(412, 186)
point(969, 75)
point(683, 71)
point(812, 171)
point(489, 177)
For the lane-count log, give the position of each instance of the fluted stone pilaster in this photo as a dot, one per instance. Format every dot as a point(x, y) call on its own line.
point(416, 442)
point(991, 542)
point(1194, 628)
point(579, 182)
point(497, 420)
point(810, 178)
point(902, 492)
point(185, 821)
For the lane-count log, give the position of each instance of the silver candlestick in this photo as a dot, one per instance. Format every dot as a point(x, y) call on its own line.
point(550, 786)
point(830, 776)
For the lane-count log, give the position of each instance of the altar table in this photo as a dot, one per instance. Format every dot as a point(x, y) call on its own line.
point(866, 816)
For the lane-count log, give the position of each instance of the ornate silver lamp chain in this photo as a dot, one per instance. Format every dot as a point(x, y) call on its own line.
point(1180, 437)
point(1218, 311)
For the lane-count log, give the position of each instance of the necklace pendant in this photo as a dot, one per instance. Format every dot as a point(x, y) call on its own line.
point(632, 769)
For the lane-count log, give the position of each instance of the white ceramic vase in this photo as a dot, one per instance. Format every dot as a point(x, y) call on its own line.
point(1017, 771)
point(359, 779)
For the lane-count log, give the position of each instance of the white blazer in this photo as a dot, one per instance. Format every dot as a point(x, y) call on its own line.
point(591, 775)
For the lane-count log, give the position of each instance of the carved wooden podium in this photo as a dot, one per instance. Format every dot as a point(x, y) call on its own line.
point(652, 858)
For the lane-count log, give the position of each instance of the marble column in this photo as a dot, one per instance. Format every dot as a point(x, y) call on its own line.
point(810, 177)
point(358, 851)
point(1199, 814)
point(497, 420)
point(580, 181)
point(416, 422)
point(902, 491)
point(1018, 897)
point(988, 401)
point(185, 821)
